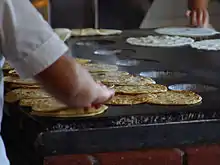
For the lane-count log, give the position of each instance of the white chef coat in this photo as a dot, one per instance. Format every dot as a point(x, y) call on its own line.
point(27, 42)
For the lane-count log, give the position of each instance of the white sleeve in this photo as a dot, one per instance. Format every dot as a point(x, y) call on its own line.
point(28, 42)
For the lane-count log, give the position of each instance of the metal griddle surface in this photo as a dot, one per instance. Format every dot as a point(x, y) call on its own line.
point(142, 125)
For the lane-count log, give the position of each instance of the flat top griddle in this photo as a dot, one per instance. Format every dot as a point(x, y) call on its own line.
point(139, 126)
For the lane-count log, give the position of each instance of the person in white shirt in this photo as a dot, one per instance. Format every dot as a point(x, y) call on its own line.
point(31, 46)
point(174, 12)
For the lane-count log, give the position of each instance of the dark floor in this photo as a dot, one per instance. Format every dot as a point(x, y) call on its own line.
point(17, 150)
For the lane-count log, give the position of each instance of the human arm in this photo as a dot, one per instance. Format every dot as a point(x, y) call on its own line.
point(198, 13)
point(31, 46)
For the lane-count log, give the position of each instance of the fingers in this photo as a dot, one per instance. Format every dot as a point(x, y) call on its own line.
point(198, 18)
point(103, 95)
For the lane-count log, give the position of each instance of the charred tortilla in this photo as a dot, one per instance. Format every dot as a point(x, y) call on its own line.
point(72, 112)
point(18, 94)
point(174, 98)
point(100, 68)
point(150, 88)
point(127, 99)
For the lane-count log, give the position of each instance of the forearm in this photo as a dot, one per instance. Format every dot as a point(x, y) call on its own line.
point(60, 79)
point(198, 4)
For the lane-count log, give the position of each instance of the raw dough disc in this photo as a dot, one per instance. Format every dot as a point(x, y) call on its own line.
point(187, 31)
point(127, 99)
point(174, 98)
point(72, 112)
point(151, 88)
point(18, 94)
point(94, 32)
point(160, 41)
point(101, 68)
point(207, 44)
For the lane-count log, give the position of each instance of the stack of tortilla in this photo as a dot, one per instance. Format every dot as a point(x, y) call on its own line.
point(132, 89)
point(129, 90)
point(29, 93)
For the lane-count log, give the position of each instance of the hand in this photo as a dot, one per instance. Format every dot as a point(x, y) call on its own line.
point(89, 92)
point(198, 17)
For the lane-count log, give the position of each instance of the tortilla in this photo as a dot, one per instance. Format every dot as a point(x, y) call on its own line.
point(128, 81)
point(127, 99)
point(82, 60)
point(150, 88)
point(94, 32)
point(174, 98)
point(213, 44)
point(63, 33)
point(101, 68)
point(13, 73)
point(6, 66)
point(187, 31)
point(110, 74)
point(160, 41)
point(15, 86)
point(17, 80)
point(72, 112)
point(18, 94)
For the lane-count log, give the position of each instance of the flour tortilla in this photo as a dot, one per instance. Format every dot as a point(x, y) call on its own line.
point(100, 68)
point(94, 32)
point(187, 31)
point(174, 98)
point(18, 94)
point(13, 73)
point(127, 99)
point(110, 74)
point(72, 112)
point(212, 45)
point(41, 102)
point(63, 33)
point(160, 41)
point(128, 80)
point(82, 60)
point(17, 80)
point(25, 86)
point(151, 88)
point(6, 66)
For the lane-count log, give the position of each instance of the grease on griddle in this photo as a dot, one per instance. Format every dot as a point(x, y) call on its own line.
point(163, 74)
point(193, 87)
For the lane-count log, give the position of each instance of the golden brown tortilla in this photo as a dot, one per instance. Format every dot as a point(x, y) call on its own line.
point(18, 94)
point(72, 112)
point(141, 89)
point(174, 98)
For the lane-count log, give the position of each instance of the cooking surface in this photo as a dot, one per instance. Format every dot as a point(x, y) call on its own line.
point(140, 126)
